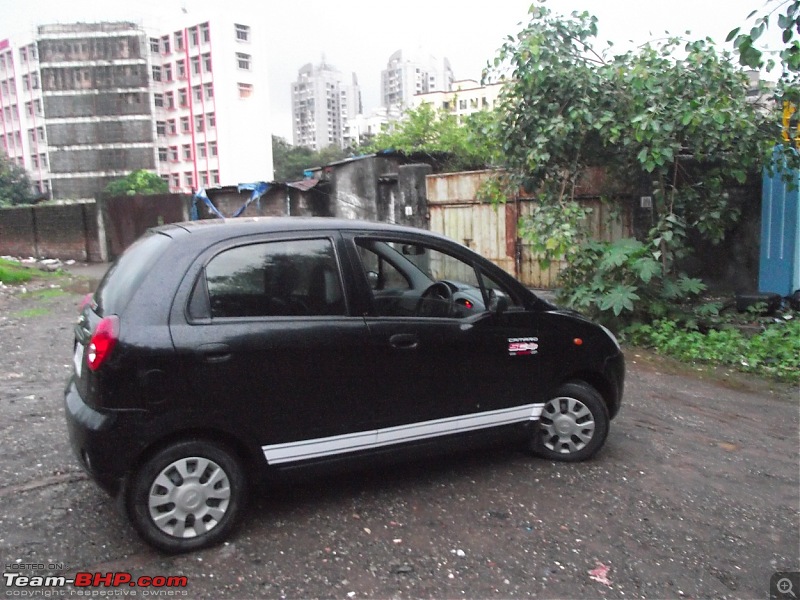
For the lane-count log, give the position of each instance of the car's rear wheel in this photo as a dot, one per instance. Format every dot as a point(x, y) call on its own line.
point(573, 425)
point(187, 496)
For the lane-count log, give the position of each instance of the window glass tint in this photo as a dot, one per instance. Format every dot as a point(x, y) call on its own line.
point(440, 266)
point(127, 273)
point(499, 290)
point(411, 280)
point(290, 278)
point(382, 274)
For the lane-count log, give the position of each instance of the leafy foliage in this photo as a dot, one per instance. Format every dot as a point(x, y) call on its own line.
point(789, 23)
point(426, 130)
point(607, 279)
point(670, 119)
point(15, 185)
point(291, 161)
point(563, 224)
point(774, 351)
point(787, 90)
point(140, 182)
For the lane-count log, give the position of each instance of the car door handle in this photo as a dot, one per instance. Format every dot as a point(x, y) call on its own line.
point(404, 341)
point(215, 353)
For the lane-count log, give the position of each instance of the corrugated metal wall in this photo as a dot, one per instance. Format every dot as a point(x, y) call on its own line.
point(491, 231)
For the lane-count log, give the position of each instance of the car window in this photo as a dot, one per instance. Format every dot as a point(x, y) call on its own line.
point(126, 275)
point(382, 274)
point(494, 288)
point(286, 278)
point(415, 280)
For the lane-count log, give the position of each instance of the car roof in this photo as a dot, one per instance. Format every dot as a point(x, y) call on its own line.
point(225, 228)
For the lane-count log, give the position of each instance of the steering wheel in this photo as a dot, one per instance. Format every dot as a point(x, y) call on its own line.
point(435, 301)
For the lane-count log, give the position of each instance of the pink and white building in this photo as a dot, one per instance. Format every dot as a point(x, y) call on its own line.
point(84, 104)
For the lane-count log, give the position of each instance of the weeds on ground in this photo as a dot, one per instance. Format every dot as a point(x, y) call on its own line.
point(45, 294)
point(13, 272)
point(767, 347)
point(31, 313)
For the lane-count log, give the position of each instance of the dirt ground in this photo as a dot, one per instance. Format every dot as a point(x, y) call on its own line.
point(696, 495)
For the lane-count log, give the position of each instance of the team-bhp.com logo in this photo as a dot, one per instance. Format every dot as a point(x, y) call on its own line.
point(88, 584)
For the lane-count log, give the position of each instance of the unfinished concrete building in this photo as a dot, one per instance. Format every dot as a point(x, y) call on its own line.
point(95, 90)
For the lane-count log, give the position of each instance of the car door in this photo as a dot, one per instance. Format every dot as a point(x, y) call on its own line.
point(270, 348)
point(440, 366)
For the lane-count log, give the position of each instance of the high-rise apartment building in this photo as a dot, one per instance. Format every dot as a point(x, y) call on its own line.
point(324, 104)
point(407, 75)
point(85, 104)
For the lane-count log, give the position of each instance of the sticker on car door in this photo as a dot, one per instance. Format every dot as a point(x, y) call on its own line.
point(523, 346)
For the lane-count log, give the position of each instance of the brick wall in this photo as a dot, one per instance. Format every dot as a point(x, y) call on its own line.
point(61, 231)
point(17, 236)
point(128, 217)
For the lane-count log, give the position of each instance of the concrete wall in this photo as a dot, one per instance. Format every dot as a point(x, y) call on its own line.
point(65, 232)
point(102, 104)
point(279, 200)
point(355, 187)
point(228, 201)
point(125, 218)
point(84, 233)
point(369, 189)
point(386, 188)
point(99, 133)
point(17, 232)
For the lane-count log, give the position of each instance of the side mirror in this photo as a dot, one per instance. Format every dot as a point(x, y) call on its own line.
point(373, 279)
point(497, 304)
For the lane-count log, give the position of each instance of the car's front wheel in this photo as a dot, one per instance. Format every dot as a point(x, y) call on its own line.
point(187, 496)
point(573, 425)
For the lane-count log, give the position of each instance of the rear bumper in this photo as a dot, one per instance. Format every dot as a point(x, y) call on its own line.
point(100, 439)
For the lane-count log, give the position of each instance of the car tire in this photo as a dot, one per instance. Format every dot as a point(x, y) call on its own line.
point(187, 496)
point(573, 425)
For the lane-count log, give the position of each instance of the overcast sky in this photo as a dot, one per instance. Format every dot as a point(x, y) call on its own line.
point(360, 35)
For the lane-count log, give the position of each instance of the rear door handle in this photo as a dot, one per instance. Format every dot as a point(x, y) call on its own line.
point(404, 341)
point(215, 353)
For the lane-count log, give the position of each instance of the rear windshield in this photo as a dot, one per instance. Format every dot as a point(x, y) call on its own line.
point(127, 273)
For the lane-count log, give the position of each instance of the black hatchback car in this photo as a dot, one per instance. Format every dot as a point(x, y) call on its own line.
point(216, 351)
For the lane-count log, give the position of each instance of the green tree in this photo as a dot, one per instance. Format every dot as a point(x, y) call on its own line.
point(141, 182)
point(787, 90)
point(670, 119)
point(788, 21)
point(467, 144)
point(289, 162)
point(15, 185)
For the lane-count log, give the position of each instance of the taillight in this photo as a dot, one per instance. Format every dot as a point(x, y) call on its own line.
point(103, 341)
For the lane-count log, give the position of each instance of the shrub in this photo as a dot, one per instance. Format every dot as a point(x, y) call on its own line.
point(772, 352)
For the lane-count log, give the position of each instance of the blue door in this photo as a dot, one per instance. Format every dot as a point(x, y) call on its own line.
point(779, 270)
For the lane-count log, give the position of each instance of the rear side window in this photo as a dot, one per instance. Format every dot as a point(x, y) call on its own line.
point(127, 273)
point(287, 278)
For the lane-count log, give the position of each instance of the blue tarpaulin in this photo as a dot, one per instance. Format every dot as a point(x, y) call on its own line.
point(258, 189)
